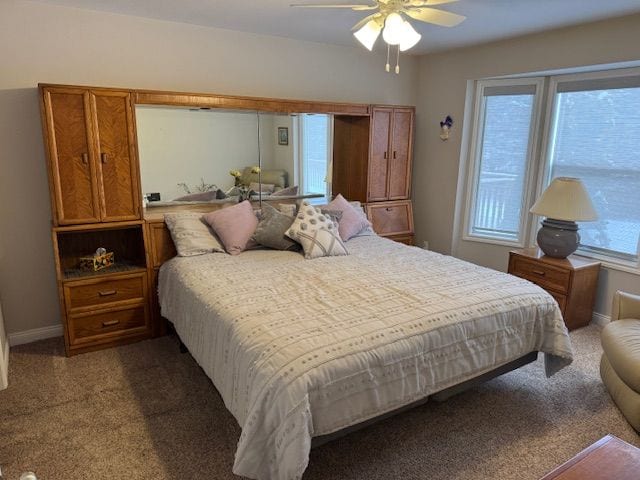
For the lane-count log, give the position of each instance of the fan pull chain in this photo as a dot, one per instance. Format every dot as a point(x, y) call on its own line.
point(387, 67)
point(398, 61)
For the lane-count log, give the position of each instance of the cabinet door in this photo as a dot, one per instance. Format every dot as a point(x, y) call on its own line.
point(71, 159)
point(400, 154)
point(116, 156)
point(391, 218)
point(379, 154)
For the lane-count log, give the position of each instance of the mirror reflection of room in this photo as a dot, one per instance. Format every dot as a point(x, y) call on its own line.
point(194, 155)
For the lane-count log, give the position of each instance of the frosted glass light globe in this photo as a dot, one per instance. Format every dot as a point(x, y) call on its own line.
point(393, 29)
point(409, 37)
point(368, 34)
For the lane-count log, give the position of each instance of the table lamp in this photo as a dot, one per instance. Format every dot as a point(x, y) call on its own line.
point(564, 202)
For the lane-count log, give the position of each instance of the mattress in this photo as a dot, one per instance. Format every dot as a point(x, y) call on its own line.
point(300, 348)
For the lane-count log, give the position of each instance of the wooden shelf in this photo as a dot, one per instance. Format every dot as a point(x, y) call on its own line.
point(116, 268)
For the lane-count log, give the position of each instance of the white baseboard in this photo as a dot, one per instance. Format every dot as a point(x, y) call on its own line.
point(28, 336)
point(600, 319)
point(4, 365)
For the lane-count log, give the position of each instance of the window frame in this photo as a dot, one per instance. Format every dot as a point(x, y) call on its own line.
point(547, 149)
point(475, 151)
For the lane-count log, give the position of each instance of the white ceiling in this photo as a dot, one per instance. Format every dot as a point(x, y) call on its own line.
point(487, 20)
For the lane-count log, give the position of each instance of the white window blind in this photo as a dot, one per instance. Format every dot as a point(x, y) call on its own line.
point(595, 136)
point(505, 122)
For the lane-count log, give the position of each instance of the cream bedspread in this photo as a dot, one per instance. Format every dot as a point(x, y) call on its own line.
point(299, 348)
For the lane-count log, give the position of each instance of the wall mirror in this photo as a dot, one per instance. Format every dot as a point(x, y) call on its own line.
point(187, 154)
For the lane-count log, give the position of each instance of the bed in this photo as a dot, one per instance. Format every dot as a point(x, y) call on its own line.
point(302, 349)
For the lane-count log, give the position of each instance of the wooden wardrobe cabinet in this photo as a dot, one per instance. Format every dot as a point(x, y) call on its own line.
point(372, 155)
point(93, 165)
point(390, 154)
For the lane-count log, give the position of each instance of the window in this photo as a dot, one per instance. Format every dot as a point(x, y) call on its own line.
point(315, 151)
point(595, 136)
point(590, 129)
point(505, 125)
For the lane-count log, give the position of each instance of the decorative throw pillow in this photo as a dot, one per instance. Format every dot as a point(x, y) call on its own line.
point(234, 226)
point(309, 217)
point(351, 222)
point(266, 187)
point(289, 209)
point(366, 232)
point(191, 235)
point(271, 229)
point(286, 192)
point(334, 215)
point(321, 243)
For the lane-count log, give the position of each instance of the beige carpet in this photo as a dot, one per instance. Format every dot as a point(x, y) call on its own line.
point(145, 411)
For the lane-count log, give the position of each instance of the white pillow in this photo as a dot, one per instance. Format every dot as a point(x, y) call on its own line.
point(321, 243)
point(316, 232)
point(191, 235)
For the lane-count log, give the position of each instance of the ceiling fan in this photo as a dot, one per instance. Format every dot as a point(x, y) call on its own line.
point(389, 19)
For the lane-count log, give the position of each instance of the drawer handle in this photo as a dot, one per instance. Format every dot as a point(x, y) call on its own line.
point(103, 157)
point(110, 323)
point(388, 209)
point(85, 158)
point(538, 272)
point(107, 293)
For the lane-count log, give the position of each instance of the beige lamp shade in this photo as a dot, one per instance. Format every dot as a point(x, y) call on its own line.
point(565, 199)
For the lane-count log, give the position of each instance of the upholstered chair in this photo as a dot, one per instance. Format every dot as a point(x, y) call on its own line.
point(620, 364)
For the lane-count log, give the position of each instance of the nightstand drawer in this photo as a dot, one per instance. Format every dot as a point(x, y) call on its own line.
point(543, 275)
point(561, 299)
point(94, 293)
point(391, 218)
point(90, 327)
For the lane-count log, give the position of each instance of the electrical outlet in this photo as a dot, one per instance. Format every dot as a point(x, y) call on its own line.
point(425, 244)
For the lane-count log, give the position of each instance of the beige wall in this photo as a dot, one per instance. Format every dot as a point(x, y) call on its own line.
point(443, 80)
point(41, 43)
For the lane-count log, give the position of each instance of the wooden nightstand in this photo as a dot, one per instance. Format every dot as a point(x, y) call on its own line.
point(571, 281)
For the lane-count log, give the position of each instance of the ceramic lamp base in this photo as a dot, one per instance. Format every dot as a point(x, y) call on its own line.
point(558, 238)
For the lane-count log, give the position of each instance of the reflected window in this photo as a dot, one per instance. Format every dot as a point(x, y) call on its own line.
point(315, 153)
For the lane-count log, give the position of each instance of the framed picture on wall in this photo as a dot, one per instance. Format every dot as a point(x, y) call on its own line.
point(283, 136)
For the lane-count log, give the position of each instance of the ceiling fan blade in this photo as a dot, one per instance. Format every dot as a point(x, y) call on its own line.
point(358, 6)
point(437, 17)
point(429, 3)
point(364, 21)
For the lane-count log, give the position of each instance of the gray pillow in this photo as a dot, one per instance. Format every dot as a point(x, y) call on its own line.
point(271, 228)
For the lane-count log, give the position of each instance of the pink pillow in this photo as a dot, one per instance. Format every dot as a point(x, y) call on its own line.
point(351, 222)
point(233, 225)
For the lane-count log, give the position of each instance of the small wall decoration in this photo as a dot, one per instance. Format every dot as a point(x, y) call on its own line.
point(283, 136)
point(445, 126)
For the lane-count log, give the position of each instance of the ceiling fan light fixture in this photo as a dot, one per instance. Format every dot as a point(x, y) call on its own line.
point(409, 37)
point(393, 29)
point(368, 34)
